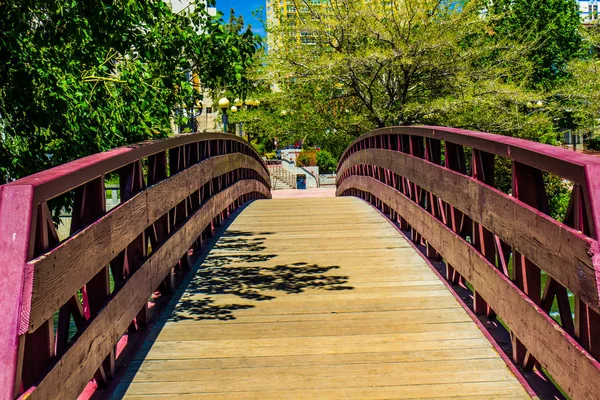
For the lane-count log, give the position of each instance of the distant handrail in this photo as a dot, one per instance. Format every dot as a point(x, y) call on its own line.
point(439, 184)
point(173, 193)
point(278, 172)
point(308, 171)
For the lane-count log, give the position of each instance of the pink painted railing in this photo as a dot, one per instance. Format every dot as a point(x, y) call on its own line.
point(173, 194)
point(439, 185)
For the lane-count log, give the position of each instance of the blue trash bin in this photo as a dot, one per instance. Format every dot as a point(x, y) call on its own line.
point(301, 181)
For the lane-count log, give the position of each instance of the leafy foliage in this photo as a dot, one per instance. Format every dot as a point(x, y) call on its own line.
point(79, 77)
point(326, 162)
point(347, 66)
point(551, 25)
point(303, 160)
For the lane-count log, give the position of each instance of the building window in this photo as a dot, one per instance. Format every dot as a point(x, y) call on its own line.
point(307, 38)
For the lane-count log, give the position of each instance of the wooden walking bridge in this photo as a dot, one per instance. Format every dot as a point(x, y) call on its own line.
point(424, 278)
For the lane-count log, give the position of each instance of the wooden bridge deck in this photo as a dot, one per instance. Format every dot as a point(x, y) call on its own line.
point(316, 298)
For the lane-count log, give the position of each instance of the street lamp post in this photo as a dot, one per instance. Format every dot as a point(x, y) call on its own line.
point(234, 109)
point(224, 105)
point(245, 105)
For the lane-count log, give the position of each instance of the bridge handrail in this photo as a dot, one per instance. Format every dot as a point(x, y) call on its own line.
point(173, 193)
point(500, 243)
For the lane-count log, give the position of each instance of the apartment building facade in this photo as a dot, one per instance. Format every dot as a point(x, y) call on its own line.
point(588, 9)
point(202, 117)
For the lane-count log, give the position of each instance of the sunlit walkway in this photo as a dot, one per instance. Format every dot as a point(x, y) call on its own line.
point(316, 298)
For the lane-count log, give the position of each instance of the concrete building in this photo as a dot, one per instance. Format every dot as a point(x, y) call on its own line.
point(180, 5)
point(202, 116)
point(289, 10)
point(588, 9)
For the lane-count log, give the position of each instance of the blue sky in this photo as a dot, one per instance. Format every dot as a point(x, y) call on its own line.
point(244, 8)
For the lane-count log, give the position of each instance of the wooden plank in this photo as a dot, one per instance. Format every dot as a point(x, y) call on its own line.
point(69, 377)
point(339, 376)
point(278, 312)
point(310, 329)
point(191, 350)
point(61, 272)
point(268, 332)
point(349, 359)
point(470, 390)
point(317, 318)
point(570, 365)
point(560, 250)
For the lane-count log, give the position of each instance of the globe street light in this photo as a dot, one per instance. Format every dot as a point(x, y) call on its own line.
point(224, 105)
point(234, 109)
point(248, 104)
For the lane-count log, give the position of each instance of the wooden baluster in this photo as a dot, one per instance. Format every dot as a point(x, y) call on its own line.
point(454, 159)
point(125, 265)
point(89, 206)
point(528, 187)
point(37, 348)
point(417, 149)
point(159, 231)
point(193, 157)
point(177, 163)
point(433, 153)
point(587, 321)
point(482, 167)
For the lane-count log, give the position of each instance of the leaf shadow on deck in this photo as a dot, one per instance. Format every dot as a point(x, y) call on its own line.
point(240, 267)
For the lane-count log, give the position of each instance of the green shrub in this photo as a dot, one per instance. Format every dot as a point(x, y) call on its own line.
point(593, 143)
point(271, 155)
point(303, 160)
point(326, 162)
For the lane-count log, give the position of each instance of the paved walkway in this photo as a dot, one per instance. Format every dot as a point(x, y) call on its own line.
point(321, 299)
point(303, 194)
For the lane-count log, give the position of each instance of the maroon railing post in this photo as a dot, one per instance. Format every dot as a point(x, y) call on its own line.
point(416, 149)
point(454, 159)
point(587, 321)
point(433, 153)
point(528, 186)
point(482, 166)
point(89, 206)
point(158, 232)
point(178, 161)
point(132, 182)
point(16, 230)
point(38, 347)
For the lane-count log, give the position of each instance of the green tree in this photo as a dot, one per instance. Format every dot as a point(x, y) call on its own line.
point(355, 65)
point(405, 62)
point(552, 25)
point(79, 77)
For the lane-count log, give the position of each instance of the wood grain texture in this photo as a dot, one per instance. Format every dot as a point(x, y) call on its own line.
point(568, 164)
point(62, 178)
point(67, 379)
point(570, 365)
point(60, 273)
point(17, 215)
point(559, 250)
point(279, 309)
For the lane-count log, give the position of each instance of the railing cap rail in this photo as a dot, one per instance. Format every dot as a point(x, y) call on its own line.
point(546, 157)
point(55, 181)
